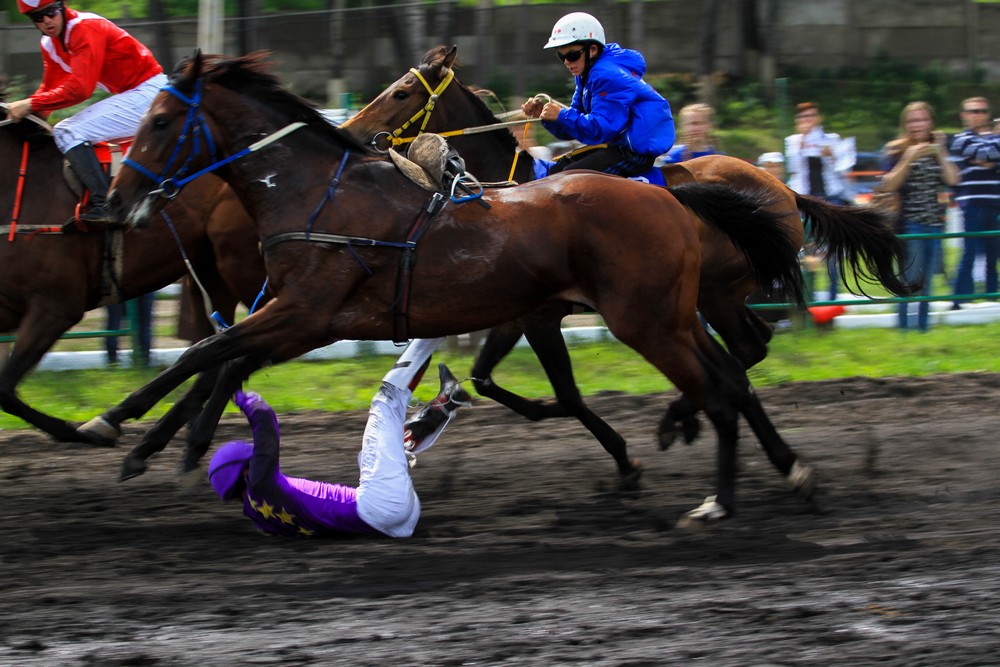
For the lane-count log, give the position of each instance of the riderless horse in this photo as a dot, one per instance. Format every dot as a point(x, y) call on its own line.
point(50, 277)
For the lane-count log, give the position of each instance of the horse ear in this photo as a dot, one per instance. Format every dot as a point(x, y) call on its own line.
point(196, 65)
point(449, 58)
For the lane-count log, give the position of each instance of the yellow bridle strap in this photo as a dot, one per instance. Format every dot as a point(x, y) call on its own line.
point(434, 94)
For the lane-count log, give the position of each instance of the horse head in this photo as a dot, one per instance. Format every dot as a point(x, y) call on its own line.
point(213, 114)
point(430, 98)
point(408, 106)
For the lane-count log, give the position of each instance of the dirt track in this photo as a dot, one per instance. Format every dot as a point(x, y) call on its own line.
point(524, 556)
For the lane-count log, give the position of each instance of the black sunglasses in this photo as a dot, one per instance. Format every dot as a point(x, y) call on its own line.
point(46, 13)
point(976, 110)
point(570, 56)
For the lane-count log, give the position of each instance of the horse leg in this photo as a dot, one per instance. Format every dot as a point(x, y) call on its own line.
point(261, 334)
point(499, 342)
point(696, 364)
point(681, 411)
point(746, 336)
point(180, 413)
point(38, 332)
point(231, 376)
point(545, 336)
point(745, 333)
point(802, 478)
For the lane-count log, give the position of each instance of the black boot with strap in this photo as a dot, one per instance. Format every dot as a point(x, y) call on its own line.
point(91, 173)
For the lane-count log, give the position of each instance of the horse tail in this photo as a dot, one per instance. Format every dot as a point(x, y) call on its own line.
point(746, 217)
point(862, 239)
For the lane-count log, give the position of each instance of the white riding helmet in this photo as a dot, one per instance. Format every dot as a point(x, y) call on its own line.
point(576, 27)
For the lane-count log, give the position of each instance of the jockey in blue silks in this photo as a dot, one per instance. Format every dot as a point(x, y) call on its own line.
point(613, 110)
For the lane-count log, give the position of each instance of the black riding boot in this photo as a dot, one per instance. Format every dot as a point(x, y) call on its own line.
point(91, 173)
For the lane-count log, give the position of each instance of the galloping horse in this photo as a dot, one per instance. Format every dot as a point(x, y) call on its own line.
point(431, 98)
point(49, 280)
point(339, 227)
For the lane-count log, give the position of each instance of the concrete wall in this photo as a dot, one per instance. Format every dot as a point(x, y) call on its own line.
point(960, 35)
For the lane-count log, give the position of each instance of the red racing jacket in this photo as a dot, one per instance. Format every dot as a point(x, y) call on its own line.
point(93, 53)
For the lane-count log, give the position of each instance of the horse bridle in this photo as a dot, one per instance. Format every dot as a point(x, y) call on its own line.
point(197, 129)
point(394, 137)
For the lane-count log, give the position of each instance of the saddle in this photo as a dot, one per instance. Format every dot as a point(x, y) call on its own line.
point(429, 162)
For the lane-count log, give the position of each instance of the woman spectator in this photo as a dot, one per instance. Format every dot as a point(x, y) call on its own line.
point(919, 170)
point(697, 135)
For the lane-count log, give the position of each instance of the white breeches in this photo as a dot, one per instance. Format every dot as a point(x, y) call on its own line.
point(387, 500)
point(113, 118)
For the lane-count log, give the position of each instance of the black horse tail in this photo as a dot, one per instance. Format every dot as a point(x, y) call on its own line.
point(746, 218)
point(862, 239)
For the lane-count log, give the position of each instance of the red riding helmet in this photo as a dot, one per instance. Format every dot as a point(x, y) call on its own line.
point(32, 6)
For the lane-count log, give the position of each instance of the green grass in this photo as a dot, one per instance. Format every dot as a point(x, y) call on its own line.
point(349, 384)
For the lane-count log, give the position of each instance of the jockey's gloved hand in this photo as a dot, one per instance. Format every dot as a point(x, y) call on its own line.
point(249, 402)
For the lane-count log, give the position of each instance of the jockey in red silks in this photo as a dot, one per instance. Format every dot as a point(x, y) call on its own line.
point(81, 52)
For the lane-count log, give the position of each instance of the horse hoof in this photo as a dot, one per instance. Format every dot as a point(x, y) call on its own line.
point(629, 482)
point(665, 437)
point(707, 513)
point(100, 430)
point(802, 479)
point(131, 467)
point(691, 427)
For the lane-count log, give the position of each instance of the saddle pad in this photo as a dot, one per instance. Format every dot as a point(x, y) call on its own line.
point(653, 176)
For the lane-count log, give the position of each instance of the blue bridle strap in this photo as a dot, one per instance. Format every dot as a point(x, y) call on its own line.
point(194, 123)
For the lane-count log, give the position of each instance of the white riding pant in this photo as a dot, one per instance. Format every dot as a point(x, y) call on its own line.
point(387, 500)
point(112, 119)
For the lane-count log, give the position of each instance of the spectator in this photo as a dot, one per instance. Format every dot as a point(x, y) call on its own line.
point(976, 151)
point(116, 314)
point(773, 163)
point(696, 123)
point(918, 168)
point(818, 163)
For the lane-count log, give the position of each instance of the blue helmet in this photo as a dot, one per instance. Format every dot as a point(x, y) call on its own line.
point(225, 472)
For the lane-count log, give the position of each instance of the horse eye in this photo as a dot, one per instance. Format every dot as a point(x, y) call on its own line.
point(400, 95)
point(160, 122)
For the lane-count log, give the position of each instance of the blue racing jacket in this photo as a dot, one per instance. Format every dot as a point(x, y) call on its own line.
point(616, 106)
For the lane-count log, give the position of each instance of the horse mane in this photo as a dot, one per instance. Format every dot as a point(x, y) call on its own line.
point(251, 75)
point(435, 58)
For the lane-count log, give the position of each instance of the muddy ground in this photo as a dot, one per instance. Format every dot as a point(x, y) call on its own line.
point(525, 555)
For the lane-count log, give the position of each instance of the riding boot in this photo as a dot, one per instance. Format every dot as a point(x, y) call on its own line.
point(91, 173)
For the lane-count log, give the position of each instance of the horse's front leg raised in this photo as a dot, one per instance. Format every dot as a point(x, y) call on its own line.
point(271, 328)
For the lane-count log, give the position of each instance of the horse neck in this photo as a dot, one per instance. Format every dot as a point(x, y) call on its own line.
point(490, 161)
point(487, 155)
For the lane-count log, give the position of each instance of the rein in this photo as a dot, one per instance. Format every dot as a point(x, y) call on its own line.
point(19, 194)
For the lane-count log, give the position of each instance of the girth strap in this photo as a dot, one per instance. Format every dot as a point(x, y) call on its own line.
point(407, 259)
point(407, 263)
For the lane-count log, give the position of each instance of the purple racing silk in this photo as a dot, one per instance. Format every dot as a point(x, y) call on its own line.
point(292, 506)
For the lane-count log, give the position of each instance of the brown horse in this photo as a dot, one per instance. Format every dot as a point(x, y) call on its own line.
point(335, 222)
point(861, 238)
point(49, 280)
